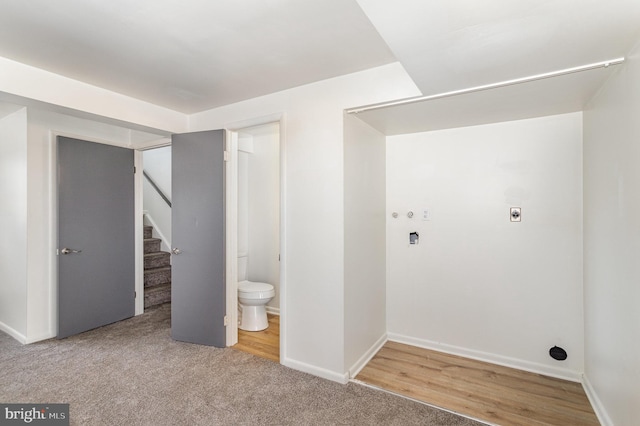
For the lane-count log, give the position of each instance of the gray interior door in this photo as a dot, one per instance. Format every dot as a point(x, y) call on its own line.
point(198, 288)
point(96, 272)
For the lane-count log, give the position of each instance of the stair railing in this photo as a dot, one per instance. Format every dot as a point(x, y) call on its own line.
point(158, 190)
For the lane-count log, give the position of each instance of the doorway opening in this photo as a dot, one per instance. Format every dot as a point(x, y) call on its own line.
point(156, 190)
point(254, 150)
point(255, 228)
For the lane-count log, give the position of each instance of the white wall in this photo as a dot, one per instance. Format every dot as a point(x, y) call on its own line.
point(61, 93)
point(245, 149)
point(263, 208)
point(13, 216)
point(477, 284)
point(364, 243)
point(157, 164)
point(612, 245)
point(313, 257)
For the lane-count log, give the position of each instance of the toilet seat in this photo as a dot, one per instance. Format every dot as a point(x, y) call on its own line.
point(255, 290)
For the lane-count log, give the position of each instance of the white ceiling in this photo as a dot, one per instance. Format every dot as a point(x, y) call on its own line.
point(456, 45)
point(557, 95)
point(193, 55)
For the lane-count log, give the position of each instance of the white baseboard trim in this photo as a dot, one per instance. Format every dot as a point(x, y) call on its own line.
point(22, 338)
point(274, 311)
point(598, 407)
point(41, 337)
point(13, 333)
point(532, 367)
point(342, 378)
point(366, 357)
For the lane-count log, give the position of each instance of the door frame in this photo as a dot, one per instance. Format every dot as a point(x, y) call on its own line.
point(231, 186)
point(231, 235)
point(53, 224)
point(233, 130)
point(139, 225)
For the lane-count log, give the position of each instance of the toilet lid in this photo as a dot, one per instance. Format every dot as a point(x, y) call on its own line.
point(251, 287)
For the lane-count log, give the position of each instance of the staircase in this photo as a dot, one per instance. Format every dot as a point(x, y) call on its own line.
point(157, 271)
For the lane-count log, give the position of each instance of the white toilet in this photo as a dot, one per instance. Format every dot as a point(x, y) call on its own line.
point(252, 300)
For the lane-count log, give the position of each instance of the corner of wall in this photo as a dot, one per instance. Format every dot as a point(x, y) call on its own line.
point(13, 213)
point(367, 356)
point(611, 206)
point(342, 378)
point(597, 405)
point(13, 333)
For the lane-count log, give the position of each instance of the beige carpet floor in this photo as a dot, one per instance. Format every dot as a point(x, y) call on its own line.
point(133, 373)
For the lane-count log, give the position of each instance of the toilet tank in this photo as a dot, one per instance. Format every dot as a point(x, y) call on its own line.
point(243, 263)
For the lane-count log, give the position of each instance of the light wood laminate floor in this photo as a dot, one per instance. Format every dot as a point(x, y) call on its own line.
point(487, 392)
point(265, 343)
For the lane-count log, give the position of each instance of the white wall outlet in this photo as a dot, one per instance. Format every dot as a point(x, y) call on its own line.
point(426, 214)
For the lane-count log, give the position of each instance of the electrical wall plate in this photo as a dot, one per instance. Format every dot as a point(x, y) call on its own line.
point(515, 214)
point(414, 238)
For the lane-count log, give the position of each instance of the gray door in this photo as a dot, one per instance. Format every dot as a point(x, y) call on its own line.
point(198, 288)
point(96, 272)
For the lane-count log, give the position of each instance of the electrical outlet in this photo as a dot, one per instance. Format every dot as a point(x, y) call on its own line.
point(414, 238)
point(515, 214)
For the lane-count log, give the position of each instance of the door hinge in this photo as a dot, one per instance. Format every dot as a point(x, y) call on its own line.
point(226, 321)
point(134, 170)
point(135, 294)
point(226, 156)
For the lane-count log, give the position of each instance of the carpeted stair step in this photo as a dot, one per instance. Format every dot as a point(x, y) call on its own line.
point(148, 231)
point(157, 276)
point(157, 295)
point(157, 271)
point(151, 245)
point(157, 260)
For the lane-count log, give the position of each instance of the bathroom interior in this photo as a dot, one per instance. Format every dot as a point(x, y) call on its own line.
point(259, 238)
point(258, 230)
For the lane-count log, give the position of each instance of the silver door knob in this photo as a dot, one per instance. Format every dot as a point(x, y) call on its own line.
point(176, 251)
point(69, 251)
